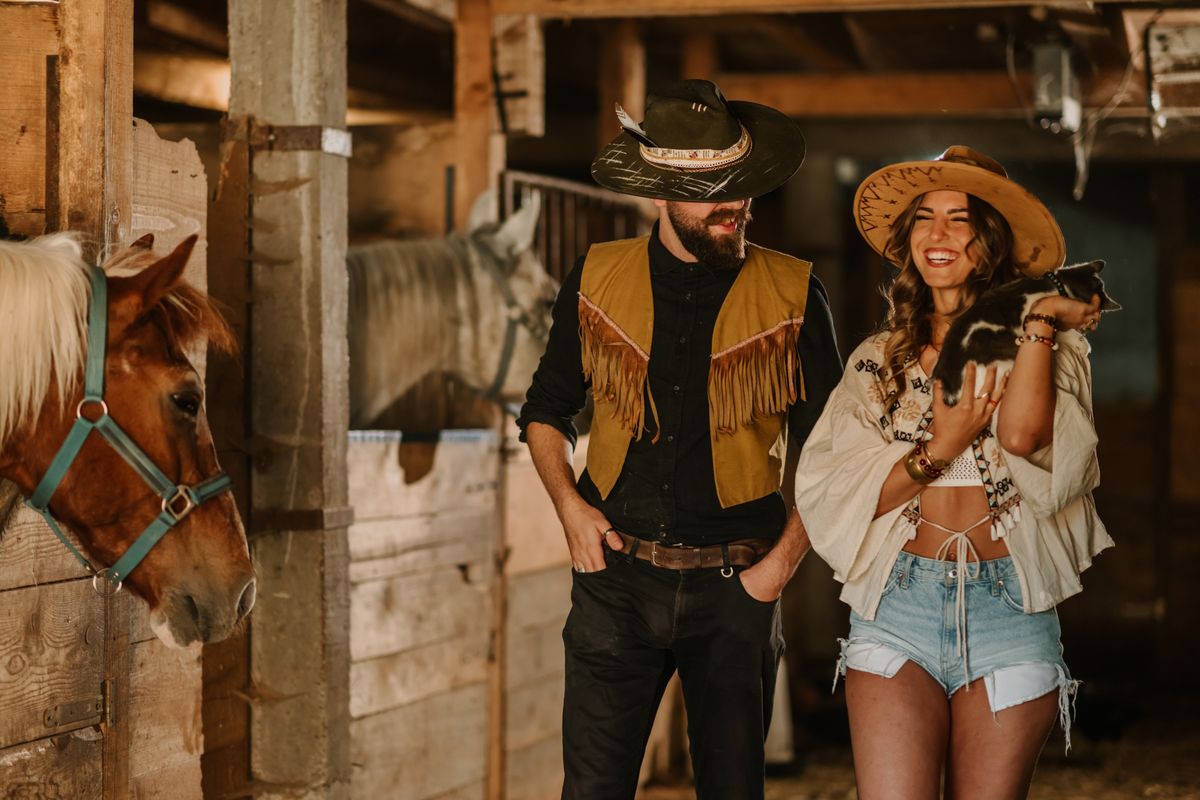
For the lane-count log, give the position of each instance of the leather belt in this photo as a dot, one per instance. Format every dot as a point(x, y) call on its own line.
point(739, 553)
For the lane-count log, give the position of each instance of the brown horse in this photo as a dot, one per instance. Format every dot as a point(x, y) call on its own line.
point(198, 580)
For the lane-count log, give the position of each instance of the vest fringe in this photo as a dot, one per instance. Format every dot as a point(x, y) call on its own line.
point(617, 368)
point(755, 378)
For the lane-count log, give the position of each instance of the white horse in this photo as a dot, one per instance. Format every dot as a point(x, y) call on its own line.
point(477, 305)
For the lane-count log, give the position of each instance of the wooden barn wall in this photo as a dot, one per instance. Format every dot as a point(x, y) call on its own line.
point(423, 578)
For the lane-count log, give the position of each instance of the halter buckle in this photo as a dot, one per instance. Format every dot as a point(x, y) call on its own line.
point(85, 401)
point(179, 504)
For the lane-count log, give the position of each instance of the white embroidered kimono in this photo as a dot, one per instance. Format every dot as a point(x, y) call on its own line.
point(1042, 506)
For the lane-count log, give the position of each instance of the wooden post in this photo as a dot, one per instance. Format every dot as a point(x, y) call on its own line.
point(288, 106)
point(479, 159)
point(622, 78)
point(699, 57)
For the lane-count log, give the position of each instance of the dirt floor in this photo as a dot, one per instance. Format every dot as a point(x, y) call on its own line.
point(1154, 757)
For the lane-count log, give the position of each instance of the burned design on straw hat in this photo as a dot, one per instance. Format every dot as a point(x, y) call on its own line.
point(1038, 244)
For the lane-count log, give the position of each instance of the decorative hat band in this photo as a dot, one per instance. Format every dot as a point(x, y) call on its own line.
point(699, 159)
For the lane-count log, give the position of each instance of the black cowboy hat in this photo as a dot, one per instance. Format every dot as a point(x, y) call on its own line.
point(696, 146)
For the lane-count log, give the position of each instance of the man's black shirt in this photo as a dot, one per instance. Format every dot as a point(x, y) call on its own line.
point(666, 490)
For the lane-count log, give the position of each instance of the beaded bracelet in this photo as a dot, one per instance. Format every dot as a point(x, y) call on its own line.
point(914, 470)
point(1036, 317)
point(1032, 337)
point(922, 467)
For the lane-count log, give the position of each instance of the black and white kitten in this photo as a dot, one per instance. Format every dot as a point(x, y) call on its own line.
point(986, 333)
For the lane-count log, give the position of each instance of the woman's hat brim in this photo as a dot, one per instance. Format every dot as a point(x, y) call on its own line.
point(1038, 244)
point(776, 152)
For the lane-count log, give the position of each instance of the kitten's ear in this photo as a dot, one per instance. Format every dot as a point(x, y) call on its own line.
point(1096, 265)
point(1108, 304)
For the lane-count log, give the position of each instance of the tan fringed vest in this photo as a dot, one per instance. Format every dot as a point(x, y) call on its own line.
point(752, 373)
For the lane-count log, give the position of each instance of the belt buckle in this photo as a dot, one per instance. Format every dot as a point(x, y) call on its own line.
point(654, 555)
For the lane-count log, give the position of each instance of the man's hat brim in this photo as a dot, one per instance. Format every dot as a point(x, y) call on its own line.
point(776, 152)
point(1038, 244)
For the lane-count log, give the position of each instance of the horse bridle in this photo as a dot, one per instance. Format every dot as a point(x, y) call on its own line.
point(517, 318)
point(178, 500)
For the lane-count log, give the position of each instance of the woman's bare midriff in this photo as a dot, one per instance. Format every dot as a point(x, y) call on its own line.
point(955, 507)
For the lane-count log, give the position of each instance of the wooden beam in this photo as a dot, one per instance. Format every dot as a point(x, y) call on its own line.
point(184, 23)
point(698, 60)
point(437, 15)
point(289, 70)
point(622, 77)
point(478, 164)
point(904, 94)
point(670, 8)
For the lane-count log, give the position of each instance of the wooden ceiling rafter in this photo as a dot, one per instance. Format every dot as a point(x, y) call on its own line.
point(910, 94)
point(668, 8)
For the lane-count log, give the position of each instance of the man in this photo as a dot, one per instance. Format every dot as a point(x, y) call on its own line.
point(701, 351)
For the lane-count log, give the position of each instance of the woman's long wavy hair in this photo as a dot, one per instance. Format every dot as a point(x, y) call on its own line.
point(910, 302)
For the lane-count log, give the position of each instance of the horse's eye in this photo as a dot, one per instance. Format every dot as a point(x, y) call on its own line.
point(187, 402)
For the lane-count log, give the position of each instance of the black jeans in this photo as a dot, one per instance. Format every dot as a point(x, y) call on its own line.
point(631, 626)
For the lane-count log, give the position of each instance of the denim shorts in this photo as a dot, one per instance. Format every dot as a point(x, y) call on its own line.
point(919, 619)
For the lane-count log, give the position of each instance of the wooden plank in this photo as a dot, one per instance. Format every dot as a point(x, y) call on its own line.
point(28, 34)
point(534, 655)
point(61, 766)
point(30, 553)
point(399, 537)
point(470, 550)
point(534, 713)
point(539, 599)
point(463, 476)
point(381, 684)
point(422, 750)
point(669, 8)
point(51, 648)
point(165, 722)
point(904, 94)
point(118, 612)
point(535, 772)
point(393, 615)
point(533, 535)
point(190, 80)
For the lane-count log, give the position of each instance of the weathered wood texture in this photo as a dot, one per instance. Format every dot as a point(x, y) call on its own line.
point(165, 726)
point(288, 62)
point(51, 646)
point(422, 572)
point(28, 35)
point(67, 765)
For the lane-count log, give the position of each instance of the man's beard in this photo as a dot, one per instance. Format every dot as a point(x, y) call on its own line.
point(719, 252)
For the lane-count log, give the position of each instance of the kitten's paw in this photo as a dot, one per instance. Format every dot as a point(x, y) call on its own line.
point(950, 396)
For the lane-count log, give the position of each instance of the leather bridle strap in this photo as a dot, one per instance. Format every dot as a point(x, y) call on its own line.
point(178, 500)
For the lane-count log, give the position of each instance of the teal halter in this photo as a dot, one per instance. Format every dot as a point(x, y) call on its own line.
point(178, 500)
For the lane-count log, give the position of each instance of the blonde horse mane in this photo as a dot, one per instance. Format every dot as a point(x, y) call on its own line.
point(44, 293)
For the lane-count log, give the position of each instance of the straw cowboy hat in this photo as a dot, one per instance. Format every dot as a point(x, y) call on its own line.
point(1038, 245)
point(696, 146)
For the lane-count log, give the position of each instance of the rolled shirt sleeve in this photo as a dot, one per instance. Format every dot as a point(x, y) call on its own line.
point(558, 391)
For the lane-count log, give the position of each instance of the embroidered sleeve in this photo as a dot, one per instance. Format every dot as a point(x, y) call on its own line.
point(842, 468)
point(1066, 469)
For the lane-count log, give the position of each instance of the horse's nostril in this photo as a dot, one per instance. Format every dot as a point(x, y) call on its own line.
point(193, 610)
point(246, 602)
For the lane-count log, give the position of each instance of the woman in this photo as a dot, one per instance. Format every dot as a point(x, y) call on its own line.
point(956, 530)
